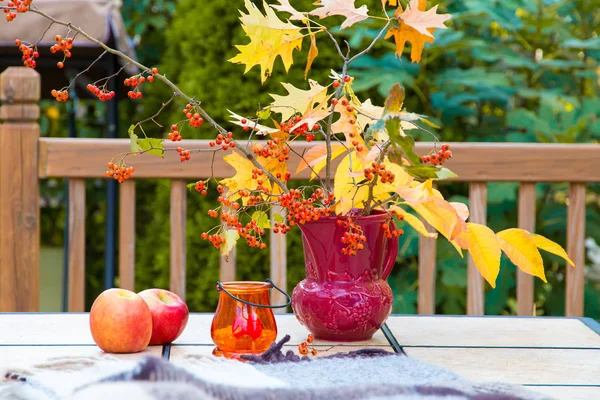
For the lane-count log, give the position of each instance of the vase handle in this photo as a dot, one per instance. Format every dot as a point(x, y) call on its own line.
point(391, 253)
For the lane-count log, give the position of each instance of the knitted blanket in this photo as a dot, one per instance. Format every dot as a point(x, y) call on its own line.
point(365, 374)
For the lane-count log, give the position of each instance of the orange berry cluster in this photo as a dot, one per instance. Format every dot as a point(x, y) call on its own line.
point(281, 228)
point(29, 54)
point(225, 141)
point(64, 45)
point(184, 155)
point(389, 233)
point(136, 81)
point(215, 239)
point(438, 158)
point(304, 348)
point(302, 130)
point(353, 238)
point(174, 135)
point(60, 95)
point(250, 232)
point(21, 6)
point(119, 172)
point(194, 119)
point(300, 210)
point(101, 94)
point(273, 149)
point(385, 176)
point(201, 188)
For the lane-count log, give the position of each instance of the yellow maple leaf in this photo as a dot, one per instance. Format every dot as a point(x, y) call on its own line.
point(298, 100)
point(520, 248)
point(413, 221)
point(551, 247)
point(269, 38)
point(316, 157)
point(485, 251)
point(313, 52)
point(416, 26)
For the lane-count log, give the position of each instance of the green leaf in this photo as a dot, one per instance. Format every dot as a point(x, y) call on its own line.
point(133, 144)
point(392, 126)
point(407, 143)
point(445, 173)
point(152, 146)
point(423, 171)
point(394, 101)
point(277, 218)
point(262, 220)
point(191, 186)
point(263, 114)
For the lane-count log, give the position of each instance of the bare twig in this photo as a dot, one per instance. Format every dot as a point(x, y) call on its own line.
point(86, 70)
point(365, 51)
point(167, 82)
point(164, 105)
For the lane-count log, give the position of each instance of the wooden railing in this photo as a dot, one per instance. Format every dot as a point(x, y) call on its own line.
point(25, 158)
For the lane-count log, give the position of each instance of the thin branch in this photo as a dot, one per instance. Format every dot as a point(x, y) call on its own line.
point(365, 51)
point(44, 34)
point(307, 164)
point(337, 46)
point(164, 105)
point(373, 183)
point(167, 82)
point(86, 70)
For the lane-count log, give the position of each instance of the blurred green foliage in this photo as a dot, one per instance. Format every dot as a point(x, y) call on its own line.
point(511, 70)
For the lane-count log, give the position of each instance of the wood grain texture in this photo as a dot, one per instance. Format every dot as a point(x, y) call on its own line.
point(427, 273)
point(492, 331)
point(19, 191)
point(473, 162)
point(127, 235)
point(475, 283)
point(76, 238)
point(278, 258)
point(520, 366)
point(576, 250)
point(178, 238)
point(525, 283)
point(19, 218)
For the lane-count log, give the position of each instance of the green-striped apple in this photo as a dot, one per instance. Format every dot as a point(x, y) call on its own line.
point(169, 314)
point(120, 321)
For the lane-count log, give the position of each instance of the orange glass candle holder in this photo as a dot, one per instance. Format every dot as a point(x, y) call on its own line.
point(244, 322)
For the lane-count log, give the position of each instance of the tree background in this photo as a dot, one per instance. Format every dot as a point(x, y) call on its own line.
point(504, 71)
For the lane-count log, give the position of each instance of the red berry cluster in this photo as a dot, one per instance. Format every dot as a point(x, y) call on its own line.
point(60, 95)
point(273, 149)
point(302, 130)
point(201, 188)
point(225, 141)
point(301, 211)
point(281, 228)
point(250, 232)
point(353, 237)
point(304, 348)
point(376, 168)
point(194, 118)
point(389, 233)
point(184, 155)
point(337, 83)
point(29, 54)
point(287, 176)
point(21, 6)
point(137, 80)
point(438, 158)
point(119, 172)
point(101, 94)
point(215, 239)
point(174, 135)
point(64, 45)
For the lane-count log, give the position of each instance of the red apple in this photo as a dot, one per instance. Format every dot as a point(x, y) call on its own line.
point(120, 321)
point(169, 315)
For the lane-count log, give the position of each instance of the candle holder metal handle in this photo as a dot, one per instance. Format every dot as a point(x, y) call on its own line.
point(289, 299)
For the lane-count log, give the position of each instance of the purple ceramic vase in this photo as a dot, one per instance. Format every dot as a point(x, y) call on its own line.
point(345, 298)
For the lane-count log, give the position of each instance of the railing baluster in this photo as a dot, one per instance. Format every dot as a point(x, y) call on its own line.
point(576, 250)
point(525, 283)
point(478, 214)
point(178, 242)
point(76, 245)
point(277, 242)
point(127, 235)
point(427, 272)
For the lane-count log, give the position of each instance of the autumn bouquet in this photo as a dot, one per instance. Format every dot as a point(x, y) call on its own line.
point(362, 161)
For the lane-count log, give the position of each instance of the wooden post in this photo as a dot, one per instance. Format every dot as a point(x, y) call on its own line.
point(19, 190)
